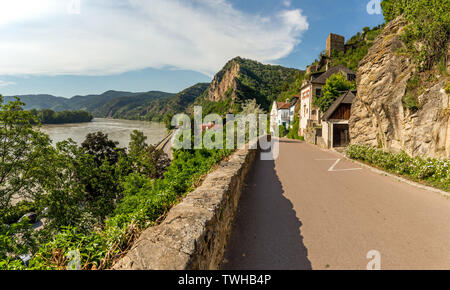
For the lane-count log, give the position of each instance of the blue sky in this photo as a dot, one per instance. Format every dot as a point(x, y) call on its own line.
point(70, 47)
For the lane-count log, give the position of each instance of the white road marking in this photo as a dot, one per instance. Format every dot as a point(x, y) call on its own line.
point(331, 169)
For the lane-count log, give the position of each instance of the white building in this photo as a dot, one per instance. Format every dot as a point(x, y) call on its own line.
point(335, 127)
point(313, 88)
point(282, 114)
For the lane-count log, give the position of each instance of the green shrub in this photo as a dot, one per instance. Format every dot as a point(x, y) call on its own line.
point(10, 243)
point(143, 202)
point(281, 131)
point(55, 254)
point(293, 132)
point(332, 89)
point(413, 83)
point(16, 212)
point(442, 66)
point(429, 25)
point(435, 172)
point(410, 101)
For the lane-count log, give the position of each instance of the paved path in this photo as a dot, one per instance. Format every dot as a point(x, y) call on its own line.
point(306, 210)
point(166, 144)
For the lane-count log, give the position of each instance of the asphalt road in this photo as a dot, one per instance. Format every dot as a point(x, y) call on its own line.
point(306, 210)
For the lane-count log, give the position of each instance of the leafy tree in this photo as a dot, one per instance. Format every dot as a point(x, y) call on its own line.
point(85, 185)
point(154, 162)
point(84, 190)
point(22, 153)
point(293, 132)
point(251, 107)
point(102, 148)
point(99, 171)
point(65, 191)
point(16, 239)
point(333, 88)
point(147, 160)
point(282, 130)
point(137, 144)
point(100, 184)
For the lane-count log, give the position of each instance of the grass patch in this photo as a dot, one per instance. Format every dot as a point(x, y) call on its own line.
point(410, 100)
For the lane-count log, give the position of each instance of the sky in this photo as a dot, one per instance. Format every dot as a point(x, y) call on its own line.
point(79, 47)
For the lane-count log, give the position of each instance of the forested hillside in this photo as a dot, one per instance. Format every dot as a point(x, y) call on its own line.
point(153, 105)
point(145, 107)
point(40, 102)
point(243, 79)
point(91, 103)
point(100, 104)
point(125, 106)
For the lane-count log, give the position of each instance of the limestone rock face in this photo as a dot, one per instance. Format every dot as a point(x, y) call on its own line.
point(224, 82)
point(378, 116)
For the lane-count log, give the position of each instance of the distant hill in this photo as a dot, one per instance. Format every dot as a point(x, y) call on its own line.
point(124, 105)
point(40, 102)
point(144, 107)
point(104, 105)
point(92, 102)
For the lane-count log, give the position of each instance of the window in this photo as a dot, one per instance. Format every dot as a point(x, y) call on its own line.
point(318, 93)
point(313, 112)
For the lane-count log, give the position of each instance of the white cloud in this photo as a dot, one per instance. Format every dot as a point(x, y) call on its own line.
point(5, 83)
point(114, 36)
point(287, 3)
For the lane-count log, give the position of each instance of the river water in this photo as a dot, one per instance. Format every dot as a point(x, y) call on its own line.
point(117, 130)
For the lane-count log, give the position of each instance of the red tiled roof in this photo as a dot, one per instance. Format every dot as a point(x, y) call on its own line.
point(281, 105)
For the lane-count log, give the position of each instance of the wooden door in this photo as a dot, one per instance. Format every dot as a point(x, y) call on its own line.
point(341, 135)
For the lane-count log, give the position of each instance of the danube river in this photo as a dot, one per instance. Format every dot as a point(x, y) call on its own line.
point(117, 130)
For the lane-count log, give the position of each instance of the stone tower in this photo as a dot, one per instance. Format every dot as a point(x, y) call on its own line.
point(335, 42)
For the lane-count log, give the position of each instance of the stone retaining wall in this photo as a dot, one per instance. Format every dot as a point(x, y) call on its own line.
point(195, 232)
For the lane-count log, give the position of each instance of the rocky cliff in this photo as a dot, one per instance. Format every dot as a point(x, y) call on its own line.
point(224, 84)
point(380, 117)
point(242, 79)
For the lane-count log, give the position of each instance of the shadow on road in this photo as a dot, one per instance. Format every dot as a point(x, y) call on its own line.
point(266, 232)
